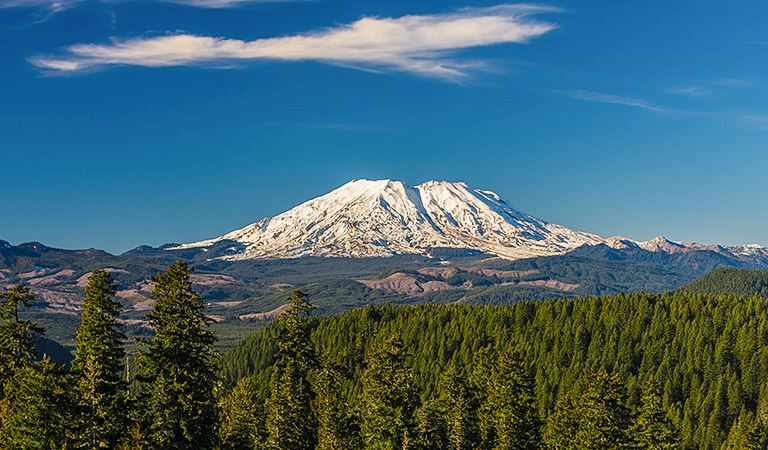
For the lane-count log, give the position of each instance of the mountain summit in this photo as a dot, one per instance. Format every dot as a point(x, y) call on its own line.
point(366, 218)
point(369, 218)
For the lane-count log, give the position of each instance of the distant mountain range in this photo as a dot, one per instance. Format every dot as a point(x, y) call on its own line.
point(374, 218)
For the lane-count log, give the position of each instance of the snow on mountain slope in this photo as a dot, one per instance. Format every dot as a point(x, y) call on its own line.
point(365, 218)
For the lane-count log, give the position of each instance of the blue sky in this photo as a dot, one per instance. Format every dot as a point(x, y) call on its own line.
point(144, 122)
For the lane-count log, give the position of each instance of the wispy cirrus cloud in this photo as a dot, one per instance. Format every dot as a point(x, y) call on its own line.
point(752, 120)
point(712, 88)
point(56, 5)
point(31, 3)
point(693, 91)
point(755, 120)
point(598, 97)
point(50, 6)
point(427, 45)
point(224, 3)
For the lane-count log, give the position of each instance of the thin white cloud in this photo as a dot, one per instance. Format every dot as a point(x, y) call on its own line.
point(223, 3)
point(693, 91)
point(52, 6)
point(755, 120)
point(26, 3)
point(58, 5)
point(425, 44)
point(598, 97)
point(713, 88)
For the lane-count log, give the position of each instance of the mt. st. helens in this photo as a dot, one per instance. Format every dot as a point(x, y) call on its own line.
point(365, 218)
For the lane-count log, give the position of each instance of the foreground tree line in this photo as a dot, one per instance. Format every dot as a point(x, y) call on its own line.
point(171, 402)
point(429, 377)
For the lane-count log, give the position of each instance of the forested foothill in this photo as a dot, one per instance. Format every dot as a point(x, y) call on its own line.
point(648, 371)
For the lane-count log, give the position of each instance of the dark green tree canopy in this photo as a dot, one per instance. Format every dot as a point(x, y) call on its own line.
point(653, 429)
point(98, 367)
point(388, 397)
point(242, 418)
point(290, 418)
point(509, 413)
point(177, 372)
point(36, 410)
point(17, 346)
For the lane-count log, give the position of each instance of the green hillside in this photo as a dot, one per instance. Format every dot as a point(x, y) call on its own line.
point(731, 281)
point(710, 353)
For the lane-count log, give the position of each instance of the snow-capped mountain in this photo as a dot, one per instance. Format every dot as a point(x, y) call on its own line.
point(366, 218)
point(748, 256)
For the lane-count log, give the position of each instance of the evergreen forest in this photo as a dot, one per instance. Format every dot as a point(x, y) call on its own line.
point(680, 370)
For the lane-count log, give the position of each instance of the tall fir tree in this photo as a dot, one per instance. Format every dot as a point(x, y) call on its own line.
point(746, 433)
point(593, 417)
point(177, 372)
point(483, 362)
point(653, 430)
point(604, 419)
point(98, 367)
point(388, 397)
point(17, 347)
point(459, 410)
point(290, 419)
point(338, 427)
point(510, 406)
point(562, 424)
point(242, 418)
point(37, 408)
point(430, 426)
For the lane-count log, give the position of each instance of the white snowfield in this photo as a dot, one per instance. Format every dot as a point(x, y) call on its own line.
point(366, 218)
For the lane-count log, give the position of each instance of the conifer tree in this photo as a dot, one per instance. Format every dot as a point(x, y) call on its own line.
point(459, 409)
point(338, 426)
point(430, 426)
point(242, 418)
point(388, 398)
point(36, 408)
point(98, 367)
point(16, 345)
point(290, 420)
point(755, 438)
point(177, 374)
point(135, 435)
point(653, 429)
point(510, 407)
point(562, 424)
point(604, 419)
point(596, 417)
point(747, 432)
point(483, 363)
